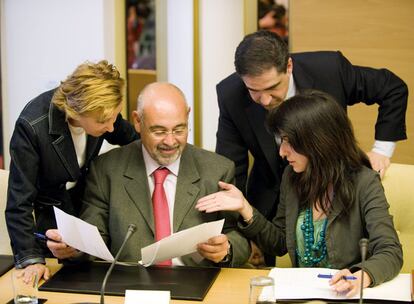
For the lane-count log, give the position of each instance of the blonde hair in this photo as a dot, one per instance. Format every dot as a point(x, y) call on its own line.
point(93, 88)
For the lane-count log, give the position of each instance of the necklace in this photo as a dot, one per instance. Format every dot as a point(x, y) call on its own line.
point(314, 253)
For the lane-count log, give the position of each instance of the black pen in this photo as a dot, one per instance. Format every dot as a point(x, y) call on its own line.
point(43, 237)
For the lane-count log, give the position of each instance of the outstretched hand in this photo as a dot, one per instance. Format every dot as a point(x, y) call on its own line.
point(229, 198)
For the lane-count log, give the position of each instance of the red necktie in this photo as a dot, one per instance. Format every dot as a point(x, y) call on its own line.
point(161, 210)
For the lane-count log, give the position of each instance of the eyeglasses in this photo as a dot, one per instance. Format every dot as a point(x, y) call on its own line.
point(161, 134)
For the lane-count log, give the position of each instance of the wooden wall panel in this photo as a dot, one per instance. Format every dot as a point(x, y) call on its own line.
point(376, 33)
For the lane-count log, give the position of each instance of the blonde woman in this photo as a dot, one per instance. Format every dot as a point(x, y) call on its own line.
point(56, 137)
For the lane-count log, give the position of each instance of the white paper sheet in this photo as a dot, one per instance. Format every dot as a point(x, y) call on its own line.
point(181, 243)
point(147, 296)
point(303, 283)
point(81, 235)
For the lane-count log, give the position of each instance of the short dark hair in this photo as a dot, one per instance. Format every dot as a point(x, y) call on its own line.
point(317, 127)
point(260, 51)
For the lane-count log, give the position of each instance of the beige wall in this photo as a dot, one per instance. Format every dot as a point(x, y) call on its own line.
point(376, 33)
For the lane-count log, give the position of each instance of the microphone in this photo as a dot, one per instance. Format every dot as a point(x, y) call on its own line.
point(131, 230)
point(363, 246)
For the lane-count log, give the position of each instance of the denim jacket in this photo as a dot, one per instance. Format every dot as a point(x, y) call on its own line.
point(43, 160)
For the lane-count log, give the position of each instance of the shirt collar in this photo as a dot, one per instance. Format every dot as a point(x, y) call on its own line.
point(151, 165)
point(292, 87)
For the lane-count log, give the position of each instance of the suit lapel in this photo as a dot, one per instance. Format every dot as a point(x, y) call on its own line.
point(256, 115)
point(302, 80)
point(136, 184)
point(91, 146)
point(186, 192)
point(63, 143)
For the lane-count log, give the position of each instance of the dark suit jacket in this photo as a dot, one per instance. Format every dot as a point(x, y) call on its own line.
point(242, 128)
point(43, 160)
point(117, 194)
point(368, 218)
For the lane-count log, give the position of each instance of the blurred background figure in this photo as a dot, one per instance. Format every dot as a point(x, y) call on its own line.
point(141, 34)
point(134, 29)
point(272, 16)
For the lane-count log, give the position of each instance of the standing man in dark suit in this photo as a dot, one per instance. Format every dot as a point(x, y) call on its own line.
point(265, 76)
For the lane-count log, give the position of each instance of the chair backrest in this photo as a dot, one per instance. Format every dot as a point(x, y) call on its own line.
point(399, 189)
point(4, 236)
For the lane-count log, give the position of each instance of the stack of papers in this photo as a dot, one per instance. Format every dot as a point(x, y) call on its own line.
point(303, 283)
point(86, 238)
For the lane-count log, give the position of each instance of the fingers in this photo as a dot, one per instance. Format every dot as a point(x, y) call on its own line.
point(54, 235)
point(256, 257)
point(59, 249)
point(215, 249)
point(340, 284)
point(230, 198)
point(46, 274)
point(225, 186)
point(379, 162)
point(35, 272)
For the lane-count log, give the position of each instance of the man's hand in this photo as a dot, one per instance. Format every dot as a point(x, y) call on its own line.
point(39, 269)
point(351, 287)
point(215, 249)
point(379, 162)
point(59, 249)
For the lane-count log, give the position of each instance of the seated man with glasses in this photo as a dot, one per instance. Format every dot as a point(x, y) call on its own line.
point(155, 183)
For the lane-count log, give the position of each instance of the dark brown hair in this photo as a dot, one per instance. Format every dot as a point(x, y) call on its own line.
point(318, 128)
point(260, 51)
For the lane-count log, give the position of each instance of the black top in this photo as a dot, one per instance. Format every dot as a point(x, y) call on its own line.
point(242, 128)
point(43, 160)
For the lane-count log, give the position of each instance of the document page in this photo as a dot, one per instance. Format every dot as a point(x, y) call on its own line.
point(81, 235)
point(303, 283)
point(181, 243)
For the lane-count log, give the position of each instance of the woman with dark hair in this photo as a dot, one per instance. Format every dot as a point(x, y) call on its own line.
point(330, 197)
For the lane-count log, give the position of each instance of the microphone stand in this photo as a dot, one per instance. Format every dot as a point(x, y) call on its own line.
point(131, 230)
point(363, 245)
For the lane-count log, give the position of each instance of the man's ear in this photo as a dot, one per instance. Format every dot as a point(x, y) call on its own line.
point(137, 121)
point(289, 66)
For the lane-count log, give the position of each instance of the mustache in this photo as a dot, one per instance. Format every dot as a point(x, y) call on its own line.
point(167, 147)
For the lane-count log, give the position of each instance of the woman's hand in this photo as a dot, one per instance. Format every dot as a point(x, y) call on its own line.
point(229, 198)
point(351, 287)
point(39, 269)
point(59, 249)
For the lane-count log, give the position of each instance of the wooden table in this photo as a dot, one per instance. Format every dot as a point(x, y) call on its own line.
point(231, 286)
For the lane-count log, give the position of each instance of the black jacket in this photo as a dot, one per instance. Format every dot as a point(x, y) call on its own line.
point(43, 160)
point(241, 127)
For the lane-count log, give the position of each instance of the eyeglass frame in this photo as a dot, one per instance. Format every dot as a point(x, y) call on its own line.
point(178, 131)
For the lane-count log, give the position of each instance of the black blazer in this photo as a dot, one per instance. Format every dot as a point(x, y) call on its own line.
point(43, 160)
point(241, 126)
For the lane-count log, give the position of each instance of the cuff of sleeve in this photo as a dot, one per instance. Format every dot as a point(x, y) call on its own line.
point(228, 258)
point(30, 261)
point(385, 148)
